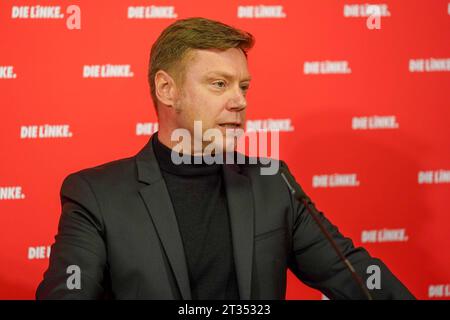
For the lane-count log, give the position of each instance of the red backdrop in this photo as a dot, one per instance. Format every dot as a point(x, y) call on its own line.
point(362, 103)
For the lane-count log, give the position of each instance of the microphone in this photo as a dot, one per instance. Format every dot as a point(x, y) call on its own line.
point(300, 195)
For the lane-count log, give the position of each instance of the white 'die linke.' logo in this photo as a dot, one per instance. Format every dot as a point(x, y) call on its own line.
point(74, 280)
point(73, 21)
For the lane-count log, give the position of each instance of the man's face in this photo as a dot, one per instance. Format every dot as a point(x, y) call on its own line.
point(213, 91)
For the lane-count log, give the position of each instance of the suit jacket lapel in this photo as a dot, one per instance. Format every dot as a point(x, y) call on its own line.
point(159, 205)
point(241, 211)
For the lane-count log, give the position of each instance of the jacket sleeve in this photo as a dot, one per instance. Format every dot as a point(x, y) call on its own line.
point(314, 261)
point(79, 248)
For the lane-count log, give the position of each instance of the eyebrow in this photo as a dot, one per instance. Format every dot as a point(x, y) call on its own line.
point(226, 75)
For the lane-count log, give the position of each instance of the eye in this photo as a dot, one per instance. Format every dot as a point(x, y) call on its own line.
point(245, 87)
point(220, 84)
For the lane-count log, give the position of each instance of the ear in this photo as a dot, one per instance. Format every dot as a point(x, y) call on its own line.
point(165, 88)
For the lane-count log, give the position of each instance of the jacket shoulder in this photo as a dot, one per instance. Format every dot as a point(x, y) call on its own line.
point(111, 172)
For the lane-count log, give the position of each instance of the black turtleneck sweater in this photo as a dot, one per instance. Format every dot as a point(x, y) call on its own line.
point(199, 200)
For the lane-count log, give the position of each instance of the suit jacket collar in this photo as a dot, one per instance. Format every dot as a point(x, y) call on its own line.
point(161, 212)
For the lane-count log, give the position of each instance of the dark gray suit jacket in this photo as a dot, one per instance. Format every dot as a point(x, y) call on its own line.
point(119, 227)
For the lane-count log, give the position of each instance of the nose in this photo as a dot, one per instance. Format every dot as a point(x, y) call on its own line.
point(237, 102)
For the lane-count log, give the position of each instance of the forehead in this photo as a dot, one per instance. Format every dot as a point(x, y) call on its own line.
point(231, 62)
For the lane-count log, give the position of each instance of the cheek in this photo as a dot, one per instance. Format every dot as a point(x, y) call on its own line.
point(208, 107)
point(201, 104)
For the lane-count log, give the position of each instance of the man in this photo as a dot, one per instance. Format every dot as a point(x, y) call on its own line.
point(149, 228)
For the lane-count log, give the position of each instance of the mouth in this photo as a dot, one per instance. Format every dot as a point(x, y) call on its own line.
point(230, 125)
